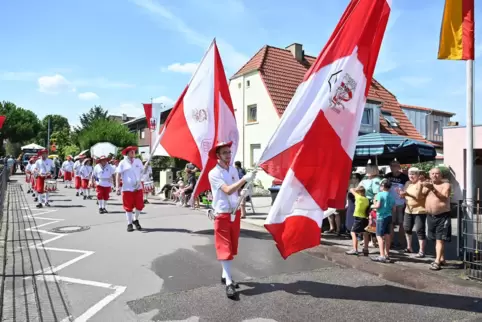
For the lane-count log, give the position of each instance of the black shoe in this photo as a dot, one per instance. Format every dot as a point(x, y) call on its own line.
point(66, 187)
point(85, 197)
point(104, 210)
point(129, 228)
point(81, 193)
point(39, 205)
point(101, 211)
point(223, 281)
point(33, 194)
point(47, 204)
point(137, 224)
point(230, 291)
point(77, 194)
point(146, 201)
point(35, 200)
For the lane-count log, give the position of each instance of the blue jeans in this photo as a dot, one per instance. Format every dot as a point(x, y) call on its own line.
point(384, 226)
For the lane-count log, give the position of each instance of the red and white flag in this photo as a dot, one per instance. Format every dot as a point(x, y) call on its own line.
point(202, 115)
point(313, 147)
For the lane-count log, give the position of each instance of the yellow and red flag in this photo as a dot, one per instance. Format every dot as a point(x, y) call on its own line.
point(457, 32)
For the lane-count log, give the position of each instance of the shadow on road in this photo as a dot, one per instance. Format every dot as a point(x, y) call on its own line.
point(166, 230)
point(246, 233)
point(68, 206)
point(381, 294)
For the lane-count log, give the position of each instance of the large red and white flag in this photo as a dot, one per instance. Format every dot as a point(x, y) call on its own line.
point(313, 147)
point(202, 115)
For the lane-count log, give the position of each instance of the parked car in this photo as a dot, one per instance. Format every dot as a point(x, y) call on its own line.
point(274, 189)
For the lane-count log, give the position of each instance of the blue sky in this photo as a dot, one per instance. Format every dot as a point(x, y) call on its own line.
point(62, 57)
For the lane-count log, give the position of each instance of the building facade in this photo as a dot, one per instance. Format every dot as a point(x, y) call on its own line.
point(262, 89)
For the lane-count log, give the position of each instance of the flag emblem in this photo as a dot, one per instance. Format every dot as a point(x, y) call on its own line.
point(206, 145)
point(200, 115)
point(343, 93)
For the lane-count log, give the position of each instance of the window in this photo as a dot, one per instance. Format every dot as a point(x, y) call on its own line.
point(248, 83)
point(437, 128)
point(143, 134)
point(252, 113)
point(367, 118)
point(392, 121)
point(255, 153)
point(239, 85)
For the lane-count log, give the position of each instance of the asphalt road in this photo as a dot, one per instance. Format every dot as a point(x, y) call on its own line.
point(168, 272)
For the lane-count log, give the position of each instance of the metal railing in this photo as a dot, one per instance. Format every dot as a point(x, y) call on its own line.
point(4, 174)
point(470, 239)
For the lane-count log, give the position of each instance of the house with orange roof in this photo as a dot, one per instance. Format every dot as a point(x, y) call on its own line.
point(262, 89)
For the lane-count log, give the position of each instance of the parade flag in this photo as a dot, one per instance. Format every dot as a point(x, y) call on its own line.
point(313, 147)
point(457, 31)
point(2, 120)
point(202, 115)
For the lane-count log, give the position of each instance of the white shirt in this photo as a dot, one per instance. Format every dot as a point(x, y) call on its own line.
point(148, 175)
point(44, 166)
point(104, 174)
point(28, 168)
point(130, 174)
point(222, 203)
point(68, 166)
point(85, 172)
point(76, 168)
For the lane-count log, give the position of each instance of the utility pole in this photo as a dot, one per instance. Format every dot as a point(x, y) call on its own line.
point(48, 135)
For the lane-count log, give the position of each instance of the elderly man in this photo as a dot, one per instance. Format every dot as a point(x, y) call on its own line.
point(225, 184)
point(439, 221)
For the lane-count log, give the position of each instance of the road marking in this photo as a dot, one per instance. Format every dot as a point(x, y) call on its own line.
point(97, 307)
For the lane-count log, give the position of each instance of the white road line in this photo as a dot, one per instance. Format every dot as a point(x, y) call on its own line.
point(118, 290)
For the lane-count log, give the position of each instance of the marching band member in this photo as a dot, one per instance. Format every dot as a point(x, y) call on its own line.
point(77, 179)
point(146, 176)
point(85, 173)
point(67, 168)
point(28, 175)
point(33, 179)
point(130, 171)
point(43, 167)
point(104, 174)
point(225, 184)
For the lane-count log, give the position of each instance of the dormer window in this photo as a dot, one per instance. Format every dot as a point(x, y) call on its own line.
point(391, 120)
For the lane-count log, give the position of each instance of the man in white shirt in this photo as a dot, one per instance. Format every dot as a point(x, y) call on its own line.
point(85, 173)
point(225, 184)
point(77, 179)
point(146, 177)
point(29, 176)
point(130, 171)
point(104, 174)
point(43, 167)
point(67, 168)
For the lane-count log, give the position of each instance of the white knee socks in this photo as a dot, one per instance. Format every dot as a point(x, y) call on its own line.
point(129, 217)
point(46, 197)
point(137, 214)
point(227, 272)
point(101, 204)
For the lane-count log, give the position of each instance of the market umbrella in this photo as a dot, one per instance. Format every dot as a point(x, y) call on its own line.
point(382, 148)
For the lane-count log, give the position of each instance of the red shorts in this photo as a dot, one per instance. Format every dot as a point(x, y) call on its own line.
point(133, 199)
point(77, 182)
point(85, 183)
point(226, 235)
point(67, 176)
point(40, 184)
point(103, 192)
point(32, 180)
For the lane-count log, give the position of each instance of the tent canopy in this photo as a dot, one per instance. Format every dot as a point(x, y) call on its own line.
point(32, 146)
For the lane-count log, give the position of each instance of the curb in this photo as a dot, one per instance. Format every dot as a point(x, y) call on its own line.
point(3, 246)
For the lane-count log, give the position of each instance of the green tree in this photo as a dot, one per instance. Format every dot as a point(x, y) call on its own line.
point(62, 140)
point(94, 114)
point(104, 130)
point(20, 125)
point(58, 124)
point(72, 150)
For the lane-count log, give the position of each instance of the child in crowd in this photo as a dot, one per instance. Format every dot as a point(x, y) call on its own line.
point(360, 220)
point(385, 205)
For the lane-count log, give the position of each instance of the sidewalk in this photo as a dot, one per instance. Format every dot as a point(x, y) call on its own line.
point(333, 248)
point(25, 298)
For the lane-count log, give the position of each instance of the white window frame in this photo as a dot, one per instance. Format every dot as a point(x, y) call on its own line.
point(248, 115)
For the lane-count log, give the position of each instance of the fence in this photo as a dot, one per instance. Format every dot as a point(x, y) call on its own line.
point(470, 239)
point(3, 187)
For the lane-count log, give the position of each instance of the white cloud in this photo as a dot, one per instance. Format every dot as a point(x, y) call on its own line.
point(164, 100)
point(88, 96)
point(54, 84)
point(232, 58)
point(187, 68)
point(415, 81)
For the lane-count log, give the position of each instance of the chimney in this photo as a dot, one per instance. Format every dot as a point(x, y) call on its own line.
point(297, 51)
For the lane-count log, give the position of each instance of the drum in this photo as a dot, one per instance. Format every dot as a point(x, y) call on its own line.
point(148, 186)
point(50, 185)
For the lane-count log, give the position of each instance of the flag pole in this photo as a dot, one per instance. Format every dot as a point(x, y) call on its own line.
point(150, 130)
point(469, 159)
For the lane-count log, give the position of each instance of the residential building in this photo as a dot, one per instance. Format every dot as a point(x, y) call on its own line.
point(429, 122)
point(454, 150)
point(120, 118)
point(262, 89)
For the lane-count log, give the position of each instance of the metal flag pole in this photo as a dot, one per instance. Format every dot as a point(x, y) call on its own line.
point(469, 159)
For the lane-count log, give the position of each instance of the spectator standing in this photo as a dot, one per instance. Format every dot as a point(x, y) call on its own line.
point(398, 179)
point(384, 204)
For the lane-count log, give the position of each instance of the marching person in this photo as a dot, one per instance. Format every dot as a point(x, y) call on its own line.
point(225, 184)
point(67, 169)
point(146, 177)
point(104, 174)
point(29, 176)
point(129, 171)
point(33, 179)
point(77, 179)
point(114, 163)
point(85, 173)
point(43, 168)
